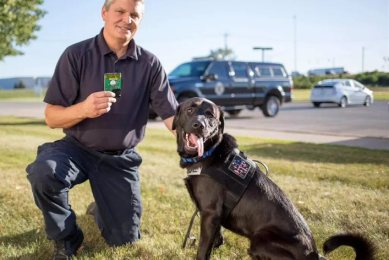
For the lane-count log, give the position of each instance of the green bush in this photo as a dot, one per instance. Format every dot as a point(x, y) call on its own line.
point(373, 78)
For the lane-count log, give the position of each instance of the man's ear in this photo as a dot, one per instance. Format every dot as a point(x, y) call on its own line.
point(175, 120)
point(221, 120)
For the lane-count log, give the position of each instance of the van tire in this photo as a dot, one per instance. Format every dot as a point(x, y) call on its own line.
point(234, 112)
point(271, 106)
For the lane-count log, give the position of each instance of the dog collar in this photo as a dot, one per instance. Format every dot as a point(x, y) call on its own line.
point(198, 158)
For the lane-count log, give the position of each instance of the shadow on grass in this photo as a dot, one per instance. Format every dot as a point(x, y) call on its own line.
point(316, 153)
point(24, 122)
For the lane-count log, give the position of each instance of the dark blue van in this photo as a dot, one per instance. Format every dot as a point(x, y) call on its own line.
point(234, 85)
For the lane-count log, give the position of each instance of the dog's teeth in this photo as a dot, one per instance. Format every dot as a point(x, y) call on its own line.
point(200, 146)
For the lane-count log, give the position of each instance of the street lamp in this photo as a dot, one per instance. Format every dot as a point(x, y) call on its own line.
point(263, 49)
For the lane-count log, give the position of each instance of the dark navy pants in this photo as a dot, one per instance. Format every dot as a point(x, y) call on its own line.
point(114, 180)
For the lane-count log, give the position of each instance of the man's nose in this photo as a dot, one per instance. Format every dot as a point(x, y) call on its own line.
point(127, 19)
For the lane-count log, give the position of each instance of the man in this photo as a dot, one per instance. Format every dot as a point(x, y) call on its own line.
point(101, 129)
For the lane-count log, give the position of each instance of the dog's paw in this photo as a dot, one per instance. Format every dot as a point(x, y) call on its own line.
point(219, 240)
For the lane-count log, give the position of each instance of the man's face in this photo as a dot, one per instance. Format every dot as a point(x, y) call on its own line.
point(122, 19)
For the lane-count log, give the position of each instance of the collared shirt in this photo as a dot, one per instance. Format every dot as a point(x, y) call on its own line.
point(80, 72)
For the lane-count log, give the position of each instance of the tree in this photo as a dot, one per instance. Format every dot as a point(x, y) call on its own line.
point(18, 22)
point(222, 54)
point(19, 85)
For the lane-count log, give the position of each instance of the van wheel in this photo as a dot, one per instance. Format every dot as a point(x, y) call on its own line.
point(343, 102)
point(234, 112)
point(316, 104)
point(271, 106)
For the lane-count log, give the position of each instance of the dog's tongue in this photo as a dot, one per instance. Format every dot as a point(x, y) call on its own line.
point(197, 141)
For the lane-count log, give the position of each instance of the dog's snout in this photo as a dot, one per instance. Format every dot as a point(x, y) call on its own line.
point(198, 125)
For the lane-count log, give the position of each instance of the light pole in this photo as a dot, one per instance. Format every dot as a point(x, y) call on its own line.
point(263, 49)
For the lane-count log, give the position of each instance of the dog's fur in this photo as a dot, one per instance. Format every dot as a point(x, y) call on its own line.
point(264, 214)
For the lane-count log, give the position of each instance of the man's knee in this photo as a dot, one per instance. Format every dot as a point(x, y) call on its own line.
point(42, 177)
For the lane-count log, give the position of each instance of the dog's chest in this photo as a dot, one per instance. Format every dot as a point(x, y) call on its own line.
point(233, 174)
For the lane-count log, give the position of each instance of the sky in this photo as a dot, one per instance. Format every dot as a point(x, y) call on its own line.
point(303, 34)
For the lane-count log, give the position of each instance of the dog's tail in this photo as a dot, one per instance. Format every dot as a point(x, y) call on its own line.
point(364, 249)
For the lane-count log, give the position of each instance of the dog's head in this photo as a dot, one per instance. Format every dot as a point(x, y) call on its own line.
point(199, 124)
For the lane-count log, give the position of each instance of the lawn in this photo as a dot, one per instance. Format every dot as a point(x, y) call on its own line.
point(336, 188)
point(380, 94)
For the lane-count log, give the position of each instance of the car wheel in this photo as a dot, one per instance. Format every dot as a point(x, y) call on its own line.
point(316, 104)
point(367, 101)
point(271, 106)
point(343, 102)
point(234, 112)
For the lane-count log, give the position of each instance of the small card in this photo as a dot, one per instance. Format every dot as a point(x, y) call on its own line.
point(113, 82)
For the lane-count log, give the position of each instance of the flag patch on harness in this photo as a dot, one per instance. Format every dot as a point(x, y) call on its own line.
point(239, 166)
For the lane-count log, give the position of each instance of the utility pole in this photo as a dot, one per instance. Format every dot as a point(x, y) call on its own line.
point(263, 49)
point(225, 41)
point(225, 46)
point(295, 41)
point(363, 59)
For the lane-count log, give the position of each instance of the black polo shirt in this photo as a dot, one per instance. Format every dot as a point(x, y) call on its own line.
point(80, 72)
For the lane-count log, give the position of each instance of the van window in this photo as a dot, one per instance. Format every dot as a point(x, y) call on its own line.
point(190, 69)
point(219, 69)
point(262, 71)
point(240, 69)
point(278, 72)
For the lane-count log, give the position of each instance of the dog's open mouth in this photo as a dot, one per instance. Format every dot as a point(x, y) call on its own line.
point(193, 144)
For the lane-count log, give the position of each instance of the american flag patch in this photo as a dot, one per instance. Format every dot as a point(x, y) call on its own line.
point(239, 166)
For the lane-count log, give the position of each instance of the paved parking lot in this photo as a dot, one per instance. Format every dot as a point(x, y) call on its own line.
point(354, 126)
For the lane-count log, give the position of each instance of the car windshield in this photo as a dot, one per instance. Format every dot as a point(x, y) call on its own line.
point(190, 69)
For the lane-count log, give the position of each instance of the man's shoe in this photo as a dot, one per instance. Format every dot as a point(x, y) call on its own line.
point(65, 249)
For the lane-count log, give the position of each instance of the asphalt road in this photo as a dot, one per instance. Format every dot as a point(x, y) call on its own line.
point(358, 126)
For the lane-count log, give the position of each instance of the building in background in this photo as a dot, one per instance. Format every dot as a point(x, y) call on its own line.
point(38, 83)
point(327, 71)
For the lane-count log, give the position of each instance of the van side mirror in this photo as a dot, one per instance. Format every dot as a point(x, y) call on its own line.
point(209, 77)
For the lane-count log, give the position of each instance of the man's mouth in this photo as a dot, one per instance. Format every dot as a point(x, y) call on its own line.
point(194, 143)
point(124, 29)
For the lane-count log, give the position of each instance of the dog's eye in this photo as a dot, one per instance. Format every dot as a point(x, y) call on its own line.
point(189, 110)
point(209, 114)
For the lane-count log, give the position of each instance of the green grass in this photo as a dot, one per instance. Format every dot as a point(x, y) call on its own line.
point(20, 95)
point(336, 188)
point(380, 94)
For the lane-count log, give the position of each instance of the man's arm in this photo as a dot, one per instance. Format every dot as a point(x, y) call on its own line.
point(95, 105)
point(169, 124)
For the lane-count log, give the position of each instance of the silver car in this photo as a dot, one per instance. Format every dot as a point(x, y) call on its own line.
point(342, 92)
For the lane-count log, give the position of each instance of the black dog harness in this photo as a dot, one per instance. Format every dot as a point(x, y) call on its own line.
point(234, 174)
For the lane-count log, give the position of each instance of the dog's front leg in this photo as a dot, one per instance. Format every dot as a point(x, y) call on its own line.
point(210, 226)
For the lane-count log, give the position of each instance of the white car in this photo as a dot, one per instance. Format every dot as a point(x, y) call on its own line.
point(342, 92)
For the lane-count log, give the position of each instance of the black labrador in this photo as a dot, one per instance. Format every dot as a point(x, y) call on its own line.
point(230, 190)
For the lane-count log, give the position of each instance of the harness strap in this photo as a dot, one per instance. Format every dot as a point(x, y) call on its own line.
point(234, 174)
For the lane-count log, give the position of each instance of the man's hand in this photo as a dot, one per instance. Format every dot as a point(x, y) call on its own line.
point(97, 104)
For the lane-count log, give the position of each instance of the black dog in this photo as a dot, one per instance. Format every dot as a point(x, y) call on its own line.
point(229, 190)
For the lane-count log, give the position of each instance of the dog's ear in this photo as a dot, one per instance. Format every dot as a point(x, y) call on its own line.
point(175, 119)
point(221, 120)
